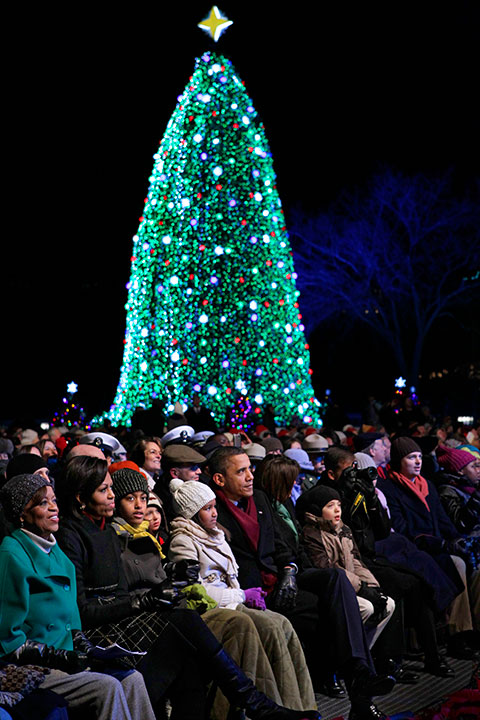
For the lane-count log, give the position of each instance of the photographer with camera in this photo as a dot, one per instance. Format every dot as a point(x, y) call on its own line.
point(415, 582)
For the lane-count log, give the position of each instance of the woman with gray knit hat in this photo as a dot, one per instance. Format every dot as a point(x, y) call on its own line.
point(417, 512)
point(38, 583)
point(195, 536)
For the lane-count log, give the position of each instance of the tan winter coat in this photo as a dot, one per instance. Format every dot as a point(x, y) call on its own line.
point(330, 547)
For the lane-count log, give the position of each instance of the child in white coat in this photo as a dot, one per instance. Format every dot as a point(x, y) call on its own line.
point(195, 536)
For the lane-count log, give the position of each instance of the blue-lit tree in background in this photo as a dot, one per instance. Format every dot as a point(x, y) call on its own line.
point(396, 258)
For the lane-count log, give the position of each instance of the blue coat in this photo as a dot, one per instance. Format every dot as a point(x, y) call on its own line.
point(410, 516)
point(38, 595)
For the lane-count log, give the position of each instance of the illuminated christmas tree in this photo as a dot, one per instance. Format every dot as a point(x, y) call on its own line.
point(71, 415)
point(212, 303)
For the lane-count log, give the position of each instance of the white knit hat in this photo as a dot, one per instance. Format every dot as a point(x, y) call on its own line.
point(190, 497)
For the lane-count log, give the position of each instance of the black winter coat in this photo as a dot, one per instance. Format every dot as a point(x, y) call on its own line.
point(265, 558)
point(102, 593)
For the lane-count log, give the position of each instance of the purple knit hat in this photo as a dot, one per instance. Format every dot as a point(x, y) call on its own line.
point(453, 460)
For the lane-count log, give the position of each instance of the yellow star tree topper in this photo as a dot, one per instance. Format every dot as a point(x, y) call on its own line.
point(215, 23)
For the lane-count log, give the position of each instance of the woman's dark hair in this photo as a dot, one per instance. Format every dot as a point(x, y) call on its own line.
point(276, 475)
point(83, 475)
point(137, 454)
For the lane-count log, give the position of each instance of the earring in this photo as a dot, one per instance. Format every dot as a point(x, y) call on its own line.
point(82, 506)
point(21, 522)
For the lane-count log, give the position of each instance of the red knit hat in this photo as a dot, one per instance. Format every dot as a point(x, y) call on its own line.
point(122, 465)
point(453, 460)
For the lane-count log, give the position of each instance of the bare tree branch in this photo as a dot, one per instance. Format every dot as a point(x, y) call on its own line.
point(396, 259)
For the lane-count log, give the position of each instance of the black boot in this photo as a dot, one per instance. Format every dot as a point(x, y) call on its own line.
point(241, 692)
point(363, 686)
point(332, 687)
point(366, 685)
point(366, 711)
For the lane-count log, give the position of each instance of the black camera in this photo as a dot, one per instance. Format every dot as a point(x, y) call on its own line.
point(353, 482)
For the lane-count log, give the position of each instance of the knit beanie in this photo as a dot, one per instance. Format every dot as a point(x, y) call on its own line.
point(17, 493)
point(190, 497)
point(262, 431)
point(24, 464)
point(154, 501)
point(122, 464)
point(401, 447)
point(315, 500)
point(364, 461)
point(127, 481)
point(453, 460)
point(474, 451)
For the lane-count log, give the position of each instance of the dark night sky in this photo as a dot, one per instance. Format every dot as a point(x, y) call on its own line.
point(343, 89)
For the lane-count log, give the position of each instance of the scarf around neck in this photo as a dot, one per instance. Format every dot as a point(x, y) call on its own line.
point(418, 486)
point(247, 519)
point(214, 540)
point(282, 512)
point(121, 527)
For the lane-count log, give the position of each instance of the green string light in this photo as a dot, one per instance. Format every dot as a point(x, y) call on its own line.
point(212, 303)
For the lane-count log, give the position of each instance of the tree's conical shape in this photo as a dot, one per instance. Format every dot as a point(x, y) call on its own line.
point(212, 302)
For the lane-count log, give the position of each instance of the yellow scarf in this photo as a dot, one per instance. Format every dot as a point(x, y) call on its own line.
point(137, 532)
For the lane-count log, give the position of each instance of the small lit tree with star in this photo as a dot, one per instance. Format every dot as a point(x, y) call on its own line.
point(212, 302)
point(71, 415)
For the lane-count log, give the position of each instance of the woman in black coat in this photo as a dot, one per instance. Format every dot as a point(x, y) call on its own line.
point(417, 513)
point(182, 655)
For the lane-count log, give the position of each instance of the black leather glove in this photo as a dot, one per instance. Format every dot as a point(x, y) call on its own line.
point(161, 597)
point(367, 488)
point(378, 599)
point(81, 643)
point(183, 571)
point(286, 596)
point(431, 544)
point(35, 653)
point(458, 547)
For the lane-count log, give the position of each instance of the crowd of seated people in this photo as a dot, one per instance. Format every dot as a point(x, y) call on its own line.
point(240, 572)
